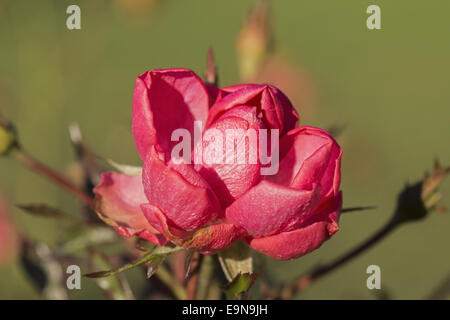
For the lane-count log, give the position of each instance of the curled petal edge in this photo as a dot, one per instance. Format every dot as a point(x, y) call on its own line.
point(207, 239)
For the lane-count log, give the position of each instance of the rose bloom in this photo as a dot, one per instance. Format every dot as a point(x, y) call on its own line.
point(206, 207)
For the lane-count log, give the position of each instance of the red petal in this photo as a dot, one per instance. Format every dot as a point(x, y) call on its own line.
point(213, 93)
point(294, 244)
point(277, 110)
point(309, 156)
point(231, 180)
point(180, 192)
point(270, 208)
point(165, 100)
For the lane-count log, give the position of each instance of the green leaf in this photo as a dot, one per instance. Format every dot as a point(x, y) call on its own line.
point(156, 253)
point(125, 168)
point(235, 260)
point(239, 287)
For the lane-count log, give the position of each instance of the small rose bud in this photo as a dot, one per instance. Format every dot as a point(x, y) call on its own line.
point(8, 136)
point(416, 201)
point(252, 42)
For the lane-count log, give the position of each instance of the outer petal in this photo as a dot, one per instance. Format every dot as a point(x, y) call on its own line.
point(118, 200)
point(331, 178)
point(180, 192)
point(269, 208)
point(165, 100)
point(277, 110)
point(231, 179)
point(208, 239)
point(308, 156)
point(310, 236)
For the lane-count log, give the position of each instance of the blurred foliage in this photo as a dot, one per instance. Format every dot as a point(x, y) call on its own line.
point(388, 88)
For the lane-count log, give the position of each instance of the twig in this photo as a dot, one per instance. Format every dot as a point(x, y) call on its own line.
point(304, 281)
point(90, 174)
point(30, 162)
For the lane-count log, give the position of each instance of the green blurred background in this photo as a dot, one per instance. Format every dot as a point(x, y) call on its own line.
point(389, 88)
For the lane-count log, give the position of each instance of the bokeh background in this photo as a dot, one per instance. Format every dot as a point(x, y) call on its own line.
point(388, 89)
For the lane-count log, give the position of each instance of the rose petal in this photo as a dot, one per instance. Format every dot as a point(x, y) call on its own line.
point(165, 100)
point(309, 155)
point(213, 93)
point(118, 200)
point(231, 172)
point(207, 240)
point(269, 208)
point(331, 178)
point(310, 236)
point(276, 108)
point(180, 192)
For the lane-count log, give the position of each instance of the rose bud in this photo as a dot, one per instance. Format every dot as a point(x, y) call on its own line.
point(293, 212)
point(191, 195)
point(8, 136)
point(253, 40)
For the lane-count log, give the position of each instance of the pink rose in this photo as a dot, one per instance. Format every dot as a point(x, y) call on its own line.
point(207, 205)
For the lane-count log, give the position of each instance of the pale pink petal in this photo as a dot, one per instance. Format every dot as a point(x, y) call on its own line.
point(118, 200)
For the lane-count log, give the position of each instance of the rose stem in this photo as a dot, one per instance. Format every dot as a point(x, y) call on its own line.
point(304, 281)
point(192, 281)
point(90, 172)
point(206, 273)
point(165, 277)
point(30, 162)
